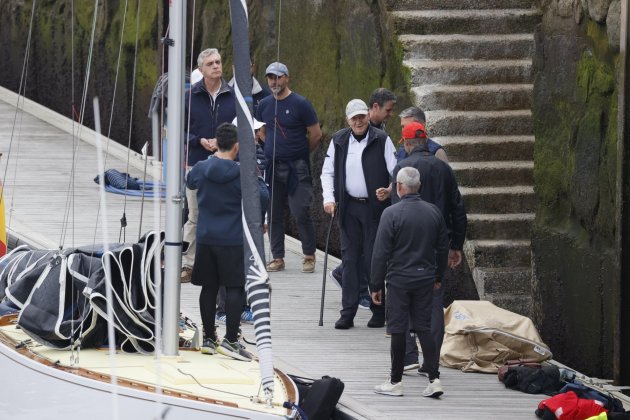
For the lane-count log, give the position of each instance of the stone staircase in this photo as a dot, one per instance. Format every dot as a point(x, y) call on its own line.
point(471, 71)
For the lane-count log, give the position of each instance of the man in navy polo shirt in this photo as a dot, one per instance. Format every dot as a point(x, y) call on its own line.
point(291, 132)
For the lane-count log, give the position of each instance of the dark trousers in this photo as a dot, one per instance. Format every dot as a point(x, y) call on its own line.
point(403, 306)
point(299, 204)
point(358, 233)
point(363, 282)
point(217, 266)
point(437, 329)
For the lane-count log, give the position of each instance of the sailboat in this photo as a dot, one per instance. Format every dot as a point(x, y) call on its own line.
point(61, 371)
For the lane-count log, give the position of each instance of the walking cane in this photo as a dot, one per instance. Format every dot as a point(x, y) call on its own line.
point(321, 309)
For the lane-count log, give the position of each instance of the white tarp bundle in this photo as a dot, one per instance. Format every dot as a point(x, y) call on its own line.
point(481, 337)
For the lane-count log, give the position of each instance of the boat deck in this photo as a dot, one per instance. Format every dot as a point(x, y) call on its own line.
point(35, 196)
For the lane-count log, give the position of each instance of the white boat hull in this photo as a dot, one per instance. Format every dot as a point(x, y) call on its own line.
point(35, 388)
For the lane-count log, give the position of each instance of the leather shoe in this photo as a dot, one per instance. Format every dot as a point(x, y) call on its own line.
point(376, 321)
point(344, 324)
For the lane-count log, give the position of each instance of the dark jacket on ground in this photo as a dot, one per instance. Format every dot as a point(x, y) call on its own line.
point(206, 115)
point(218, 182)
point(374, 169)
point(438, 186)
point(411, 246)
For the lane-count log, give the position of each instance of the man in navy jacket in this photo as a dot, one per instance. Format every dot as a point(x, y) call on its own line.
point(210, 102)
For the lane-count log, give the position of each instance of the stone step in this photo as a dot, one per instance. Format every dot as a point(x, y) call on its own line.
point(498, 253)
point(474, 123)
point(493, 173)
point(470, 21)
point(500, 226)
point(499, 200)
point(498, 280)
point(487, 148)
point(471, 47)
point(469, 72)
point(457, 4)
point(517, 303)
point(484, 97)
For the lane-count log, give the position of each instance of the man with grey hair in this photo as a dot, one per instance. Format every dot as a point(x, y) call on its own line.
point(410, 256)
point(209, 103)
point(415, 114)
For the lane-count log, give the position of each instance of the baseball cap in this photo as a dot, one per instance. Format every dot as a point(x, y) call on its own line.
point(277, 68)
point(257, 124)
point(414, 130)
point(356, 107)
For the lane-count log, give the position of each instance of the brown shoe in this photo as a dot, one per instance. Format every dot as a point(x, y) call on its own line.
point(308, 265)
point(186, 275)
point(276, 265)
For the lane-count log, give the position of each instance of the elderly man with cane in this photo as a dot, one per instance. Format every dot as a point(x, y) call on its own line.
point(411, 254)
point(356, 177)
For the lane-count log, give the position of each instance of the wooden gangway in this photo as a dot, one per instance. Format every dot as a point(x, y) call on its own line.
point(36, 180)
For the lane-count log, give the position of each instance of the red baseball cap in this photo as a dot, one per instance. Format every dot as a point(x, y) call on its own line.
point(414, 130)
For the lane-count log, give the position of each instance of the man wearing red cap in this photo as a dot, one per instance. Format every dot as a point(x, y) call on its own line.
point(439, 187)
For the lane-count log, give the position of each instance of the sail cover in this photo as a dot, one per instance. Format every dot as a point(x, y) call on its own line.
point(62, 294)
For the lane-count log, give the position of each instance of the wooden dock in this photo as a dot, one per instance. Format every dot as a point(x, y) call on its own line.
point(36, 183)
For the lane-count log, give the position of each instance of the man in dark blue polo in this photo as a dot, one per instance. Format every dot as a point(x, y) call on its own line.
point(290, 133)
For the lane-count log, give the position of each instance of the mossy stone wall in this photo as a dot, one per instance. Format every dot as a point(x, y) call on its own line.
point(336, 50)
point(575, 113)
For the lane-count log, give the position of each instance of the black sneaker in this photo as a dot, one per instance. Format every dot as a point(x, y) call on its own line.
point(209, 346)
point(234, 350)
point(335, 277)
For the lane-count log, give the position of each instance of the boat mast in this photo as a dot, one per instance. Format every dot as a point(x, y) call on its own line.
point(173, 241)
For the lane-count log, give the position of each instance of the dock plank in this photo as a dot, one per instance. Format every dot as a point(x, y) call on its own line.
point(36, 191)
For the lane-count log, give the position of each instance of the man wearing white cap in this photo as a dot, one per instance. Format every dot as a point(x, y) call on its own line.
point(355, 179)
point(292, 131)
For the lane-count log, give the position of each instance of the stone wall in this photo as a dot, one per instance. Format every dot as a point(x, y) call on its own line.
point(575, 123)
point(336, 50)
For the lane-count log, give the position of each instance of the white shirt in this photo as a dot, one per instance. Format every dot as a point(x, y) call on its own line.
point(355, 179)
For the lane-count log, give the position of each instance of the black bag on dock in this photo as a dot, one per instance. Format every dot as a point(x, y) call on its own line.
point(319, 398)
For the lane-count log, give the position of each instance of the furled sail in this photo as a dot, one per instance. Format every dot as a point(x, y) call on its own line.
point(257, 280)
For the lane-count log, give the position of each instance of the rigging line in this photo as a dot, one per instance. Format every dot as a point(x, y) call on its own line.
point(214, 389)
point(111, 340)
point(82, 114)
point(21, 91)
point(113, 106)
point(131, 105)
point(192, 37)
point(72, 111)
point(273, 153)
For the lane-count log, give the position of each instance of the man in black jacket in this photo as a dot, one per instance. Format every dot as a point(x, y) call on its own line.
point(439, 187)
point(410, 253)
point(355, 177)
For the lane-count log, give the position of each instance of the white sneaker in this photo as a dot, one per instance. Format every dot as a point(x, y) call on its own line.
point(411, 366)
point(434, 389)
point(388, 388)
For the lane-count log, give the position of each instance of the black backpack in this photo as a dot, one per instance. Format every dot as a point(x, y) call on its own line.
point(318, 398)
